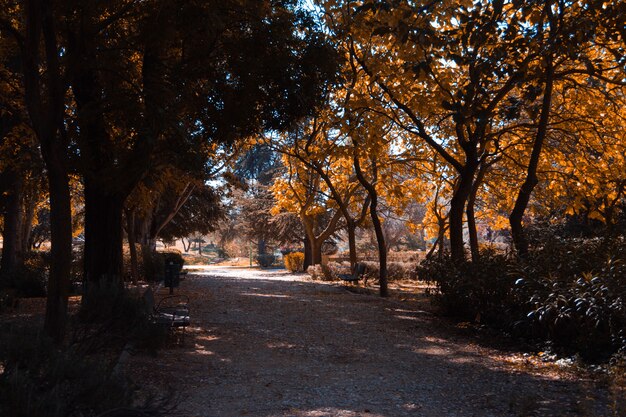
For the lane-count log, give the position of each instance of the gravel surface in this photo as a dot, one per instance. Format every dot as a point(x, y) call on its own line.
point(267, 343)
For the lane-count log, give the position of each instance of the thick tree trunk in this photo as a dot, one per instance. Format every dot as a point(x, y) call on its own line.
point(44, 101)
point(525, 191)
point(13, 219)
point(61, 247)
point(316, 252)
point(457, 245)
point(103, 240)
point(457, 211)
point(314, 249)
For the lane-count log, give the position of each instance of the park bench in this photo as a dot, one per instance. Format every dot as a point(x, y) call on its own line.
point(356, 275)
point(171, 312)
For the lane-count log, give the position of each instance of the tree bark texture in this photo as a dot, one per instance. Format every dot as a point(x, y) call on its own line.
point(523, 197)
point(61, 249)
point(45, 103)
point(103, 240)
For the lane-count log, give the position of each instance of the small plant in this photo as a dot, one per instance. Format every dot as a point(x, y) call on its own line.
point(315, 271)
point(294, 261)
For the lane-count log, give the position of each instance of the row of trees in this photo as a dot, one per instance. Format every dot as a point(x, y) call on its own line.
point(483, 112)
point(140, 103)
point(452, 114)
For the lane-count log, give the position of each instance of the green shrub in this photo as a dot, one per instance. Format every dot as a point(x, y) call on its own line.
point(266, 260)
point(571, 293)
point(586, 311)
point(294, 261)
point(473, 291)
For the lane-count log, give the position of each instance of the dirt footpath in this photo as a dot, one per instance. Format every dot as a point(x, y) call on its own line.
point(265, 343)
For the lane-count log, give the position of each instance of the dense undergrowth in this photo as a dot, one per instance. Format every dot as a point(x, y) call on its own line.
point(570, 293)
point(79, 377)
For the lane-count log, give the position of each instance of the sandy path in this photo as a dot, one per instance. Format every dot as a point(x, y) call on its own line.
point(265, 343)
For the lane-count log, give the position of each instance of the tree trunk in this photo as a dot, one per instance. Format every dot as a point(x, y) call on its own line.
point(13, 219)
point(523, 197)
point(61, 247)
point(148, 249)
point(316, 251)
point(471, 229)
point(471, 216)
point(44, 100)
point(103, 240)
point(307, 253)
point(378, 228)
point(457, 210)
point(352, 243)
point(261, 247)
point(382, 246)
point(27, 224)
point(132, 248)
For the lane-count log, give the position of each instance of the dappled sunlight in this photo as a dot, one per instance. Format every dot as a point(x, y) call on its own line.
point(310, 349)
point(348, 321)
point(248, 294)
point(335, 412)
point(407, 318)
point(281, 345)
point(201, 351)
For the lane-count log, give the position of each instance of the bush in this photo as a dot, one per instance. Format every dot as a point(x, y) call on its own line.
point(336, 268)
point(474, 291)
point(174, 257)
point(153, 264)
point(395, 270)
point(294, 261)
point(571, 293)
point(266, 260)
point(31, 279)
point(321, 273)
point(113, 317)
point(42, 380)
